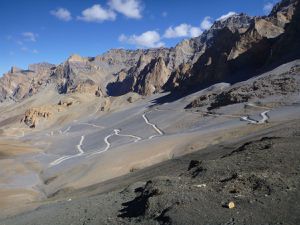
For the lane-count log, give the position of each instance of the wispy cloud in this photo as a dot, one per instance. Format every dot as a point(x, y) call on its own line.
point(227, 15)
point(97, 13)
point(148, 39)
point(19, 42)
point(23, 40)
point(129, 8)
point(26, 49)
point(29, 36)
point(62, 14)
point(164, 14)
point(9, 37)
point(195, 32)
point(268, 7)
point(206, 23)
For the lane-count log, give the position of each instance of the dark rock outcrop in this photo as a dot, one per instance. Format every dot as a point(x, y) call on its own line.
point(272, 84)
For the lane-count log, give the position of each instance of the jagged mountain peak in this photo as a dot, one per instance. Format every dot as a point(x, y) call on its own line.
point(76, 58)
point(232, 56)
point(40, 66)
point(236, 22)
point(283, 5)
point(238, 42)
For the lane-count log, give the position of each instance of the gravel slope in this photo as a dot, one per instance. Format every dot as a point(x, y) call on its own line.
point(260, 174)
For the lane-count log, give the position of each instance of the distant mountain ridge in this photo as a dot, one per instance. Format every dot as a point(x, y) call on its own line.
point(231, 50)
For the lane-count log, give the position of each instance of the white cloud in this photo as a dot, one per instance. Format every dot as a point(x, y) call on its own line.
point(122, 38)
point(195, 32)
point(29, 36)
point(148, 39)
point(183, 30)
point(187, 30)
point(268, 7)
point(229, 14)
point(62, 14)
point(97, 14)
point(206, 23)
point(129, 8)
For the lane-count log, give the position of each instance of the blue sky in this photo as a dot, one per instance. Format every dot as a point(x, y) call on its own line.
point(51, 30)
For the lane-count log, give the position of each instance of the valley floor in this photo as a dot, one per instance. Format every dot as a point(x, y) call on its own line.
point(259, 174)
point(159, 160)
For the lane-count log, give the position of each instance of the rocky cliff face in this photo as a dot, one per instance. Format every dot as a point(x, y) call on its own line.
point(233, 49)
point(18, 84)
point(287, 45)
point(238, 52)
point(77, 74)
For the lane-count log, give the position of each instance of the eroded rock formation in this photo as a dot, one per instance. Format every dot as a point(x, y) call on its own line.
point(233, 49)
point(32, 115)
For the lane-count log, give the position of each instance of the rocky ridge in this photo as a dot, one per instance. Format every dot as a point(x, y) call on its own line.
point(233, 49)
point(286, 83)
point(234, 56)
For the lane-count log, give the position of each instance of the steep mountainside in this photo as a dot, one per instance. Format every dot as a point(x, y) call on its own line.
point(235, 56)
point(19, 84)
point(233, 49)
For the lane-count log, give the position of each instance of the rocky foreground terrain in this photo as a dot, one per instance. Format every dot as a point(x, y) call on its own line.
point(251, 181)
point(206, 132)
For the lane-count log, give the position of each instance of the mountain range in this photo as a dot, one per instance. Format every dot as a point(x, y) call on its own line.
point(206, 132)
point(232, 50)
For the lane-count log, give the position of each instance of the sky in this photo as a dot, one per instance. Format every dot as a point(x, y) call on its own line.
point(51, 30)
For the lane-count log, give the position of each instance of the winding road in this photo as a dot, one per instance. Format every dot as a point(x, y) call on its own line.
point(257, 106)
point(153, 126)
point(116, 132)
point(264, 119)
point(61, 159)
point(66, 130)
point(108, 144)
point(90, 124)
point(264, 116)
